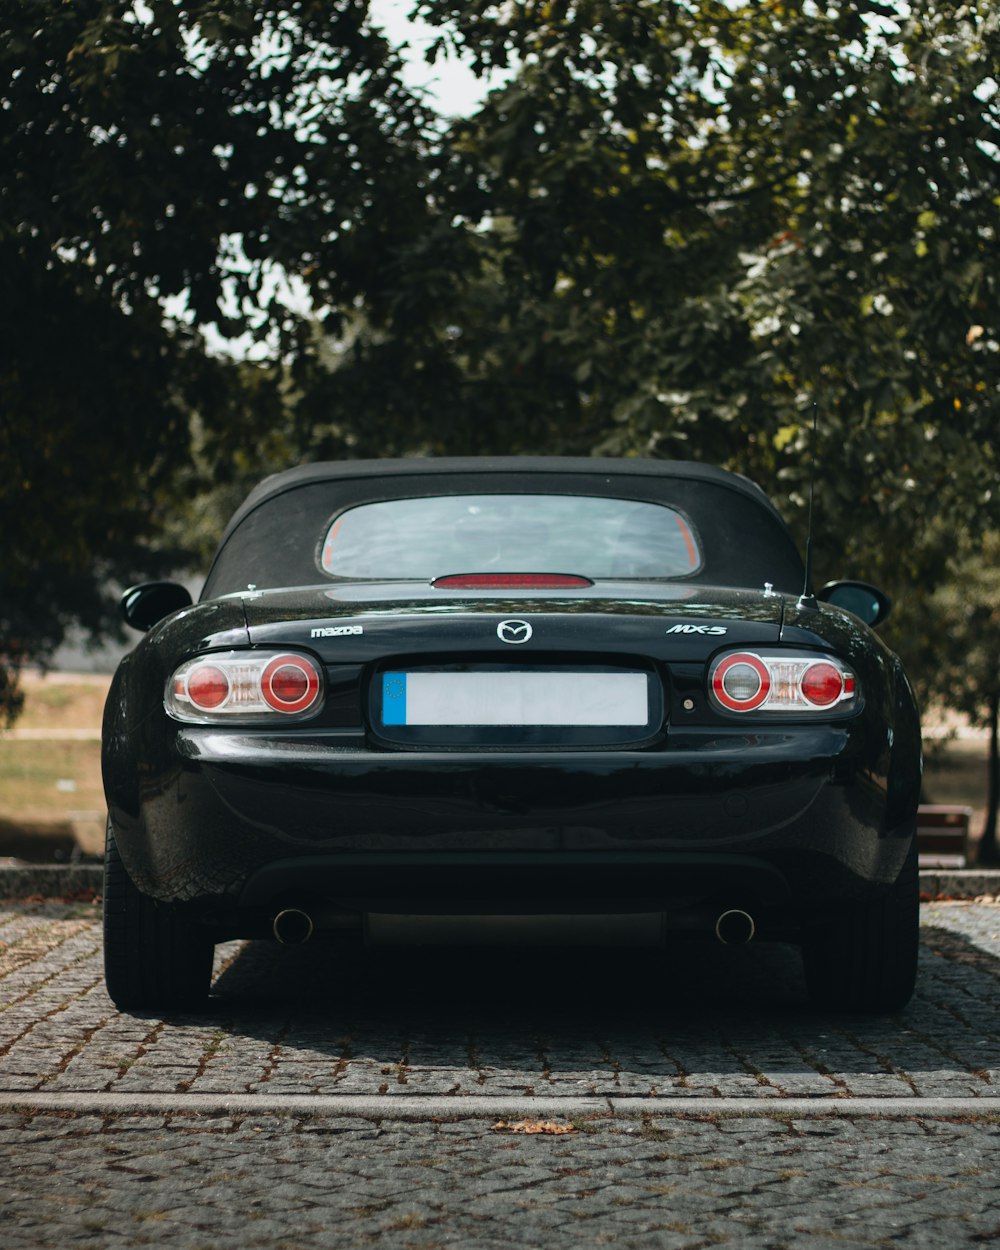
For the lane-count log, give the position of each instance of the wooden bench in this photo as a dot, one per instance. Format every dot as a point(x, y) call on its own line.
point(943, 835)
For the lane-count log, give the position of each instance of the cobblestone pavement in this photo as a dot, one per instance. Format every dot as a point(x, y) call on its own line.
point(694, 1022)
point(282, 1182)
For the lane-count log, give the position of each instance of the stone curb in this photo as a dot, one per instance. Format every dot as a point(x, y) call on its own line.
point(457, 1107)
point(62, 880)
point(960, 882)
point(50, 881)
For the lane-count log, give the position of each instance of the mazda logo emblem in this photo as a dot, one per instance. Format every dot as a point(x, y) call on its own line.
point(514, 632)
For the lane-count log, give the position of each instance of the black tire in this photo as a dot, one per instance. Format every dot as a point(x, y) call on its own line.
point(865, 960)
point(155, 958)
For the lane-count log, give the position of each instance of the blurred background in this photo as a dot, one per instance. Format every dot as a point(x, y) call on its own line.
point(239, 236)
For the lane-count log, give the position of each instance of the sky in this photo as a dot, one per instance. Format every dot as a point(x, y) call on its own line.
point(454, 85)
point(457, 91)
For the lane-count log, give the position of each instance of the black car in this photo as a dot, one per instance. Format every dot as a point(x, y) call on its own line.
point(525, 696)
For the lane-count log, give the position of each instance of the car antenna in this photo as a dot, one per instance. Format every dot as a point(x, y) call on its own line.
point(807, 600)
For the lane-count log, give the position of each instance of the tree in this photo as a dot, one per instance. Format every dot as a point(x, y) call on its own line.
point(92, 417)
point(162, 166)
point(707, 215)
point(672, 229)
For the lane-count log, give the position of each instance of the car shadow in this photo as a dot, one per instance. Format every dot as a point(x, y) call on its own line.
point(453, 984)
point(691, 1006)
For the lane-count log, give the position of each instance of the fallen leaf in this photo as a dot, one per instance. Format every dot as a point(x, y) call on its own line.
point(532, 1126)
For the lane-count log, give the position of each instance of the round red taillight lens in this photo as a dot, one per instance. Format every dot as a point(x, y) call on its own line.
point(822, 684)
point(290, 683)
point(741, 682)
point(207, 686)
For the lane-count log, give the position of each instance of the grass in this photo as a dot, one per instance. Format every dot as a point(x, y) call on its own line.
point(49, 779)
point(51, 796)
point(63, 701)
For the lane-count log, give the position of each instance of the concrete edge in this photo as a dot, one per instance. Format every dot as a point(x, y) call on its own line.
point(65, 880)
point(50, 881)
point(959, 882)
point(456, 1107)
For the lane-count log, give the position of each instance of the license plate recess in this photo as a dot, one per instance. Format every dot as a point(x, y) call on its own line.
point(515, 706)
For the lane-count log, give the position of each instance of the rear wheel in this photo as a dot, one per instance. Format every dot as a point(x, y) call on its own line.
point(866, 958)
point(155, 958)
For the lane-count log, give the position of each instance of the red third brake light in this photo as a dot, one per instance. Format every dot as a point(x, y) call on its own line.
point(510, 581)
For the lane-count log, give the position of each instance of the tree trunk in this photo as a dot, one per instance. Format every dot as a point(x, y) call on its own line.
point(989, 852)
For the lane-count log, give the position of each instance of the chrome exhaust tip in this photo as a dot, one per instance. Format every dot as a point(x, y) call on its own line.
point(735, 927)
point(292, 927)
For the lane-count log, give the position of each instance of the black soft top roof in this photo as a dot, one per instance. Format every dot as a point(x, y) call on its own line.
point(473, 466)
point(311, 494)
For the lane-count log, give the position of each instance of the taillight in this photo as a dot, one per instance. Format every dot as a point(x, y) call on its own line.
point(244, 685)
point(822, 684)
point(741, 682)
point(207, 687)
point(290, 684)
point(510, 581)
point(746, 681)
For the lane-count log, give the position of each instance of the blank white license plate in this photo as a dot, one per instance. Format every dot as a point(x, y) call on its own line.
point(515, 698)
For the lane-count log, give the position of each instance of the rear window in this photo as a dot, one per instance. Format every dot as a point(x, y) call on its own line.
point(594, 537)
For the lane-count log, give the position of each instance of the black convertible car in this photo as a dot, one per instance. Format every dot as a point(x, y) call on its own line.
point(517, 698)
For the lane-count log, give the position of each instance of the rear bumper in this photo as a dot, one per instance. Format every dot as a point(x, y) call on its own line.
point(796, 818)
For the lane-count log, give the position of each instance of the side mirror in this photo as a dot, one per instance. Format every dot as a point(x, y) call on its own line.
point(144, 605)
point(864, 601)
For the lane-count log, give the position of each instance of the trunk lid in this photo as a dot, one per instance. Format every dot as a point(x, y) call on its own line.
point(360, 622)
point(605, 666)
